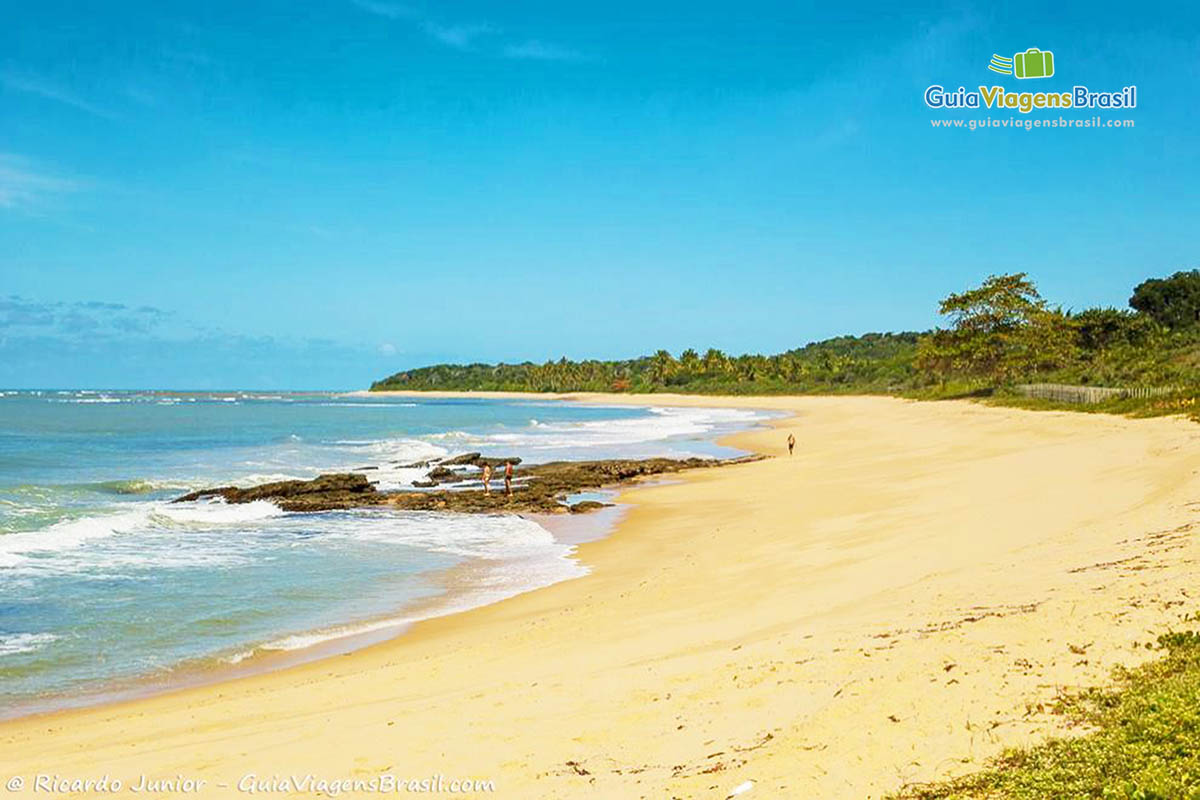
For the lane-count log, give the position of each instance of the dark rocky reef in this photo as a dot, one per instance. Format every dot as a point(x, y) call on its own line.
point(540, 488)
point(476, 460)
point(323, 493)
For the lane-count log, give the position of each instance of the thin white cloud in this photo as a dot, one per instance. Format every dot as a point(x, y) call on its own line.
point(32, 84)
point(24, 185)
point(535, 50)
point(467, 36)
point(460, 37)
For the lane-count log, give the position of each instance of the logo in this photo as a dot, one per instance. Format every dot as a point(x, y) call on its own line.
point(1033, 63)
point(1001, 64)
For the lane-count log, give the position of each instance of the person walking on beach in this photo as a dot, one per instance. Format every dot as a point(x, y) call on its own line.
point(508, 473)
point(791, 443)
point(487, 478)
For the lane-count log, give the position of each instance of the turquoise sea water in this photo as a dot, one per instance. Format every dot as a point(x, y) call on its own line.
point(103, 582)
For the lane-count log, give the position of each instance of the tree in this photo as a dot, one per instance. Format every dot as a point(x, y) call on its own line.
point(1173, 302)
point(1103, 328)
point(1002, 303)
point(715, 362)
point(1048, 341)
point(662, 367)
point(1001, 329)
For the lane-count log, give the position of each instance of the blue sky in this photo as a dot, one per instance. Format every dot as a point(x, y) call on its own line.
point(317, 194)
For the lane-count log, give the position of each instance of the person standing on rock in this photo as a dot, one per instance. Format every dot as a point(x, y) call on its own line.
point(487, 478)
point(791, 443)
point(508, 475)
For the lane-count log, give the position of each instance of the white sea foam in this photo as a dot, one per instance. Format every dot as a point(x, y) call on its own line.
point(406, 450)
point(662, 424)
point(66, 535)
point(12, 644)
point(218, 512)
point(214, 533)
point(300, 641)
point(450, 435)
point(390, 456)
point(494, 537)
point(46, 550)
point(554, 439)
point(91, 400)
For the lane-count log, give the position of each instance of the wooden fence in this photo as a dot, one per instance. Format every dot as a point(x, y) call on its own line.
point(1064, 393)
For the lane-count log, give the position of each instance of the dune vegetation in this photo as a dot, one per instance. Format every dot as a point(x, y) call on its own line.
point(1143, 741)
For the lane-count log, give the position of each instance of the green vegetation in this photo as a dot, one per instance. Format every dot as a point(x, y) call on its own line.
point(1001, 332)
point(999, 335)
point(876, 362)
point(1143, 744)
point(1173, 302)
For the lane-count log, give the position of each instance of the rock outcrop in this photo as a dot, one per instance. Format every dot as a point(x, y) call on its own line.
point(541, 488)
point(323, 493)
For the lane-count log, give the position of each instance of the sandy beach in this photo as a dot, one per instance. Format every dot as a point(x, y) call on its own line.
point(895, 603)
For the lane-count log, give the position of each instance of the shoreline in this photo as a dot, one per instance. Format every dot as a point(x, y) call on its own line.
point(815, 625)
point(458, 596)
point(258, 660)
point(463, 588)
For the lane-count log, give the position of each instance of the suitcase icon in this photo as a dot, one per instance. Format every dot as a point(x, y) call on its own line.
point(1033, 63)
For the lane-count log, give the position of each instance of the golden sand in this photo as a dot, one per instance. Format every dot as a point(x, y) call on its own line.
point(895, 603)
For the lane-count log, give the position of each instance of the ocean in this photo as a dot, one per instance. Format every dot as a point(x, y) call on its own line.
point(108, 588)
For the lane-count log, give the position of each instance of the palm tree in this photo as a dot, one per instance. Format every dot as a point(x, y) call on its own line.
point(662, 367)
point(715, 362)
